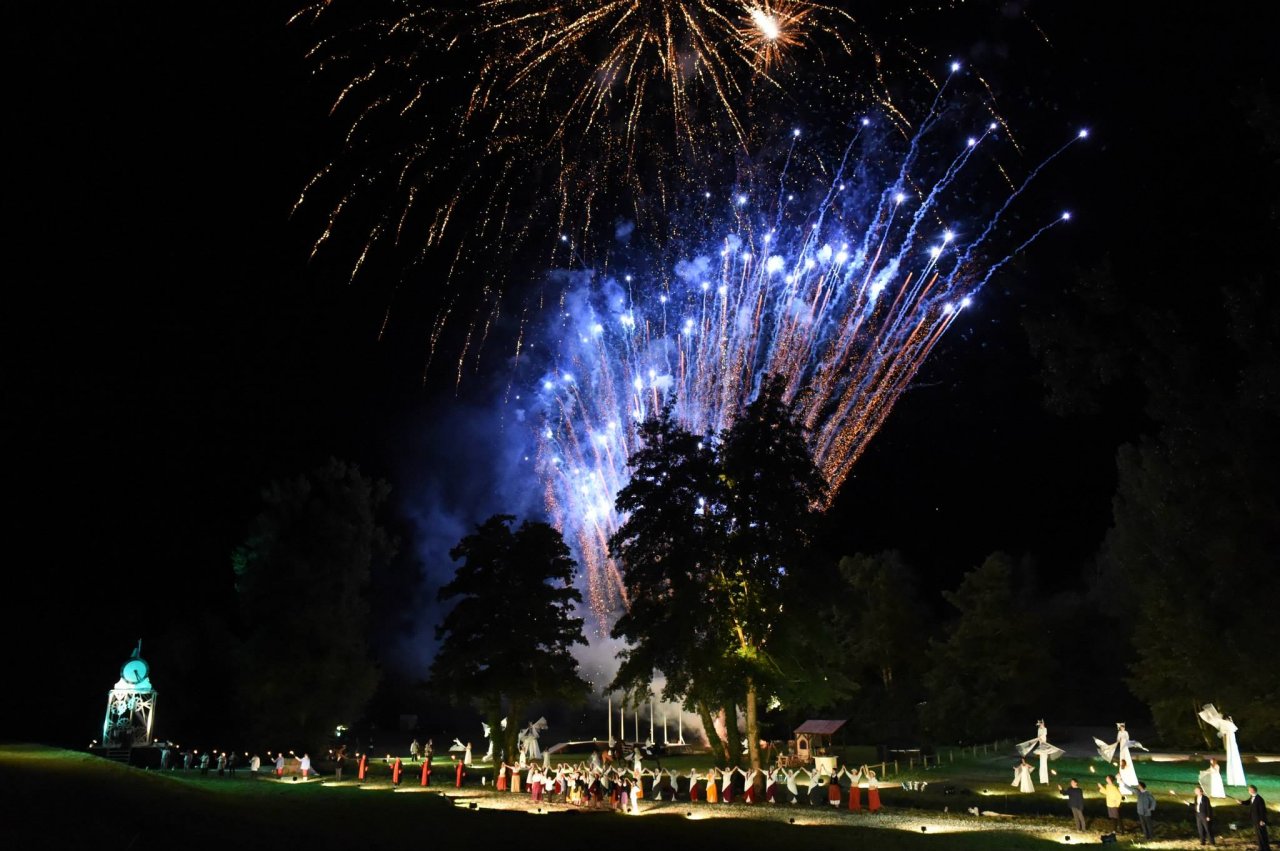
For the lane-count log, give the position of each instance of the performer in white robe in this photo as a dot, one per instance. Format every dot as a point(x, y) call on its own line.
point(1227, 732)
point(529, 738)
point(1040, 747)
point(1211, 780)
point(1119, 750)
point(1022, 777)
point(792, 790)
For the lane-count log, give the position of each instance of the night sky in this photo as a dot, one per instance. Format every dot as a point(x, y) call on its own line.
point(171, 350)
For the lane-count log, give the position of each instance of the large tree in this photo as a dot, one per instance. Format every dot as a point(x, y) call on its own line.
point(715, 535)
point(669, 547)
point(1182, 345)
point(507, 641)
point(772, 493)
point(876, 619)
point(993, 665)
point(302, 580)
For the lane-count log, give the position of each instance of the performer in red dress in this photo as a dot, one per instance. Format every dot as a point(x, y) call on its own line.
point(502, 777)
point(873, 792)
point(397, 768)
point(426, 772)
point(460, 773)
point(362, 766)
point(855, 792)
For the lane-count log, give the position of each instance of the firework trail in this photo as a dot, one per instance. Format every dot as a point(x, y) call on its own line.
point(845, 296)
point(482, 122)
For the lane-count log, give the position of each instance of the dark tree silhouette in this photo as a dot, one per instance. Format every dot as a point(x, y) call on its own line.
point(876, 620)
point(302, 580)
point(714, 538)
point(993, 665)
point(507, 641)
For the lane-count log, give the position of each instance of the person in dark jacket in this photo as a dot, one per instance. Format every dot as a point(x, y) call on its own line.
point(1258, 817)
point(1075, 800)
point(1204, 818)
point(1146, 810)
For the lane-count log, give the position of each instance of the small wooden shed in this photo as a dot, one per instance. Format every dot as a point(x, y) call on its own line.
point(813, 738)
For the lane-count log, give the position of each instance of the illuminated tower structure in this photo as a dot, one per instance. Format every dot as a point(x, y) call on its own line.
point(131, 705)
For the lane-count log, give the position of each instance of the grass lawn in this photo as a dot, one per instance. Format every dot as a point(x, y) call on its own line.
point(64, 799)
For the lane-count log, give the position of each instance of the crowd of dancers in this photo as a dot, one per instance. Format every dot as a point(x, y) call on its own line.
point(590, 784)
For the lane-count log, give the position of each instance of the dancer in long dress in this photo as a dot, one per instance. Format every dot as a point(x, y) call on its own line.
point(855, 790)
point(873, 791)
point(713, 793)
point(833, 790)
point(1211, 780)
point(1022, 777)
point(1227, 732)
point(771, 786)
point(694, 780)
point(791, 785)
point(726, 785)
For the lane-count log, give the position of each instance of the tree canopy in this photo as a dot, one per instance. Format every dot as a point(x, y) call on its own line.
point(507, 641)
point(302, 579)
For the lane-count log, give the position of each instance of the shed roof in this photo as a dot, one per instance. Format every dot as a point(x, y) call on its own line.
point(820, 728)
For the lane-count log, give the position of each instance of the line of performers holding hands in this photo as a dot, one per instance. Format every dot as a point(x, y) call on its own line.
point(591, 785)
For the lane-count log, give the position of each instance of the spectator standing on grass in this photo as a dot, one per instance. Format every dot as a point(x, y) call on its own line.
point(1146, 810)
point(1075, 801)
point(1114, 797)
point(1204, 818)
point(339, 760)
point(1258, 817)
point(255, 763)
point(280, 765)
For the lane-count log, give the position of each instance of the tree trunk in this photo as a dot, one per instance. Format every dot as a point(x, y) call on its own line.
point(719, 751)
point(497, 735)
point(733, 745)
point(512, 733)
point(753, 728)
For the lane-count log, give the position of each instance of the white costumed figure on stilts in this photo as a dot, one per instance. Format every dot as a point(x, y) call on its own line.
point(1040, 747)
point(529, 738)
point(1118, 751)
point(1227, 732)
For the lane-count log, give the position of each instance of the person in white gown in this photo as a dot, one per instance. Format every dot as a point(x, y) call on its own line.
point(1022, 777)
point(1227, 732)
point(1211, 780)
